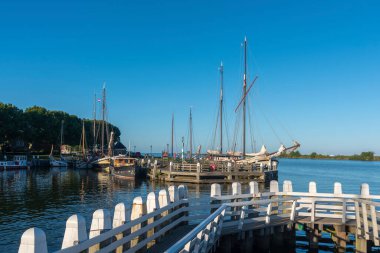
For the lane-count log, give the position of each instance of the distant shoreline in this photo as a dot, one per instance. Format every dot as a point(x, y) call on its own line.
point(376, 159)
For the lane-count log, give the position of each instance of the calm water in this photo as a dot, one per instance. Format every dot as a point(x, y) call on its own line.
point(46, 198)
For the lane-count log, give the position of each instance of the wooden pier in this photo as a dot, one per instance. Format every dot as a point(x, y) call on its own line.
point(212, 172)
point(239, 222)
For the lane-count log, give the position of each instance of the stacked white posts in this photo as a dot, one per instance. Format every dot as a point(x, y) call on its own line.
point(34, 240)
point(75, 231)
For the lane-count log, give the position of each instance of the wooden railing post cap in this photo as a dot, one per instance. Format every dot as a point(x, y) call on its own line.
point(33, 240)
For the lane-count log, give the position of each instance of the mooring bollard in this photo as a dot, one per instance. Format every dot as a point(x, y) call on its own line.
point(101, 222)
point(119, 219)
point(151, 206)
point(138, 210)
point(33, 240)
point(75, 231)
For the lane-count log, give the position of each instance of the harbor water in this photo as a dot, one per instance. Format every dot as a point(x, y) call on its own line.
point(45, 198)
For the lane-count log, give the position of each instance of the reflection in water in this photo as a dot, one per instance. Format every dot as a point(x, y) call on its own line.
point(45, 198)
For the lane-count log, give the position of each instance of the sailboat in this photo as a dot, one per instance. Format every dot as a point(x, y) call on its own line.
point(85, 162)
point(242, 157)
point(54, 162)
point(103, 161)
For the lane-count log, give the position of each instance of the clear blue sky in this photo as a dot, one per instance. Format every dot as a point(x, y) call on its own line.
point(318, 64)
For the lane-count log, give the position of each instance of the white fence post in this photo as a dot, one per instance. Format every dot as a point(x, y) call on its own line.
point(151, 206)
point(287, 186)
point(312, 187)
point(33, 240)
point(364, 190)
point(138, 210)
point(101, 222)
point(173, 193)
point(273, 187)
point(75, 231)
point(338, 188)
point(236, 188)
point(119, 218)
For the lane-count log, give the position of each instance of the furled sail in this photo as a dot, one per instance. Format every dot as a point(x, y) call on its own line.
point(281, 150)
point(234, 153)
point(262, 152)
point(213, 152)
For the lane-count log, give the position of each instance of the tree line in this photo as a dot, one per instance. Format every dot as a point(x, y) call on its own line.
point(36, 129)
point(363, 156)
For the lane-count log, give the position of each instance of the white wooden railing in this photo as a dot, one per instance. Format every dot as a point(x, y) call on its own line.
point(236, 212)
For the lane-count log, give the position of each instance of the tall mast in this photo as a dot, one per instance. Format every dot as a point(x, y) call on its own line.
point(83, 141)
point(244, 91)
point(94, 125)
point(221, 107)
point(172, 135)
point(103, 115)
point(60, 147)
point(191, 134)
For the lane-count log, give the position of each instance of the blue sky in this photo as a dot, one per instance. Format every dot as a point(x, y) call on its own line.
point(317, 62)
